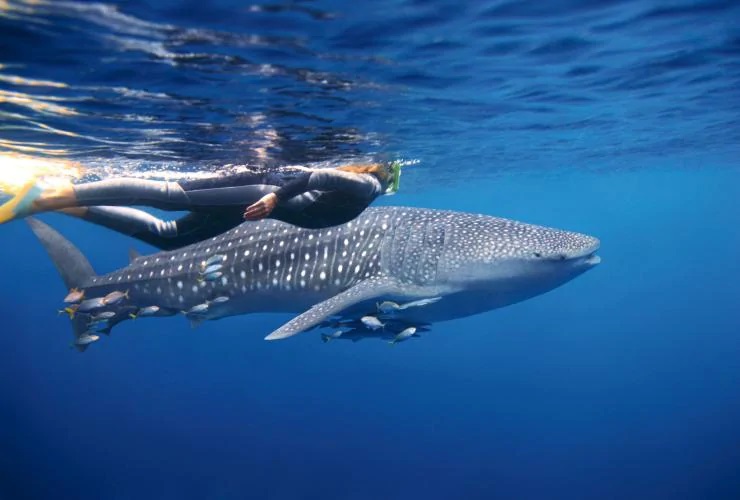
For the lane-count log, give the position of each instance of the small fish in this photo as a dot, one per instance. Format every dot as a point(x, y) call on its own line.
point(419, 303)
point(220, 300)
point(212, 276)
point(71, 311)
point(372, 322)
point(213, 259)
point(114, 298)
point(326, 337)
point(87, 338)
point(144, 312)
point(387, 306)
point(103, 316)
point(404, 335)
point(212, 269)
point(91, 305)
point(199, 309)
point(74, 296)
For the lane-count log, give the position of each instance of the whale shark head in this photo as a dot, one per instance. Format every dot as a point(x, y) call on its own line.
point(514, 260)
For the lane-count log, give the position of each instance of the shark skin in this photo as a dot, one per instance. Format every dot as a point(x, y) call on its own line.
point(466, 263)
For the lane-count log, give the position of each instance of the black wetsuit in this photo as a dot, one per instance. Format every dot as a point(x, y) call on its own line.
point(307, 198)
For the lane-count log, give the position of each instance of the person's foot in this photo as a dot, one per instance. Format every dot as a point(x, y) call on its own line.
point(33, 198)
point(20, 205)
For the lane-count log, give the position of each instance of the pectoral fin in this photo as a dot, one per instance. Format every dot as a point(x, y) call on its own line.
point(372, 288)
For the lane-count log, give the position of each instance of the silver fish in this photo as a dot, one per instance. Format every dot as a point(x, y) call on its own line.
point(103, 316)
point(220, 300)
point(87, 338)
point(114, 298)
point(213, 259)
point(387, 306)
point(212, 269)
point(148, 311)
point(326, 337)
point(144, 312)
point(74, 296)
point(404, 335)
point(199, 309)
point(91, 305)
point(419, 303)
point(372, 322)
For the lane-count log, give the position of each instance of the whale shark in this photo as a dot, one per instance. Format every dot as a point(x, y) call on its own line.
point(442, 264)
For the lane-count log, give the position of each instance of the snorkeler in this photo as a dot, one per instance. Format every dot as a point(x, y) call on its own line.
point(306, 197)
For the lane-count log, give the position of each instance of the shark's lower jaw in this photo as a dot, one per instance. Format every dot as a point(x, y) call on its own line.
point(592, 260)
point(586, 257)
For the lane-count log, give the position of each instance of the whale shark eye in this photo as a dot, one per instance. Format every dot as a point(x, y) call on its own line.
point(537, 254)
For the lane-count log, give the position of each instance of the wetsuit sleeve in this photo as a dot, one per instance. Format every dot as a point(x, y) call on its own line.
point(294, 187)
point(361, 186)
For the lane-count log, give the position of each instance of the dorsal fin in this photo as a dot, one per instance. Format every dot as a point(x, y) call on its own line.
point(133, 254)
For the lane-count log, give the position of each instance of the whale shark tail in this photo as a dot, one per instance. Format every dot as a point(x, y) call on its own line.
point(73, 267)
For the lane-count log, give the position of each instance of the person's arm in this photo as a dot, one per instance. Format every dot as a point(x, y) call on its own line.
point(265, 205)
point(362, 186)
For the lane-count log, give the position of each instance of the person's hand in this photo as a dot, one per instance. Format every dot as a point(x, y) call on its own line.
point(261, 208)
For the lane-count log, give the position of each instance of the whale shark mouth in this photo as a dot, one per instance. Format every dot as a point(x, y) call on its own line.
point(592, 260)
point(588, 255)
point(586, 251)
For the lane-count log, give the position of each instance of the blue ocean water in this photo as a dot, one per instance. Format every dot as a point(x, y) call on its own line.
point(614, 118)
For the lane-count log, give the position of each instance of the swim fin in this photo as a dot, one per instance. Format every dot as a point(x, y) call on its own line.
point(20, 204)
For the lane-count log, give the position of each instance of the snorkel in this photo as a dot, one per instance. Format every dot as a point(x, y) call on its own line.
point(395, 178)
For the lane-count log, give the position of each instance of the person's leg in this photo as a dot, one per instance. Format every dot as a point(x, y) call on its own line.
point(163, 234)
point(117, 192)
point(217, 191)
point(240, 189)
point(125, 220)
point(130, 222)
point(192, 228)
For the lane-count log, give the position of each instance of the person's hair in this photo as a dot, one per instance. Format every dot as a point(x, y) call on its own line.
point(377, 169)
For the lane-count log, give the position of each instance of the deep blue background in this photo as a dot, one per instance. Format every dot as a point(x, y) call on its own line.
point(621, 384)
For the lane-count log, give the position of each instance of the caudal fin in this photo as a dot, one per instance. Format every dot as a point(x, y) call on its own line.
point(74, 267)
